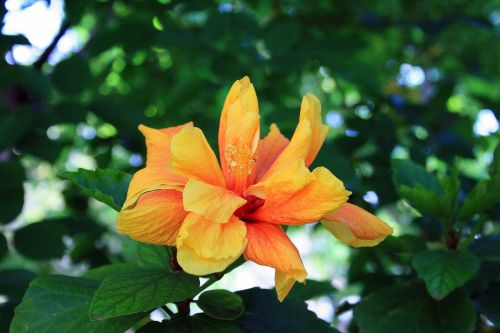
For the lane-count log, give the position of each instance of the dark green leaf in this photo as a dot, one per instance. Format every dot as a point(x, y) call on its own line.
point(311, 289)
point(409, 308)
point(28, 83)
point(119, 112)
point(422, 199)
point(451, 189)
point(3, 246)
point(71, 76)
point(74, 10)
point(489, 305)
point(483, 196)
point(11, 190)
point(41, 240)
point(7, 41)
point(486, 248)
point(221, 304)
point(13, 283)
point(199, 323)
point(444, 271)
point(41, 146)
point(13, 126)
point(57, 303)
point(408, 173)
point(175, 325)
point(150, 255)
point(264, 313)
point(100, 273)
point(141, 290)
point(495, 164)
point(273, 36)
point(69, 112)
point(106, 185)
point(407, 244)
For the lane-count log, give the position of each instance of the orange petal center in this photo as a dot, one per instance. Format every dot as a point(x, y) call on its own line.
point(253, 203)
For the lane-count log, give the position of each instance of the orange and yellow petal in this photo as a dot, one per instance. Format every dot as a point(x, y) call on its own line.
point(269, 149)
point(214, 203)
point(239, 134)
point(156, 218)
point(356, 227)
point(158, 144)
point(284, 283)
point(155, 175)
point(192, 157)
point(311, 110)
point(269, 245)
point(296, 196)
point(205, 247)
point(307, 138)
point(151, 179)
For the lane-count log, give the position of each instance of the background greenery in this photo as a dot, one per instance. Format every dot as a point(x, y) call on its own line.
point(410, 89)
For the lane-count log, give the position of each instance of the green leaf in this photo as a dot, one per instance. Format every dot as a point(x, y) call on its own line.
point(489, 305)
point(311, 289)
point(444, 271)
point(495, 164)
point(13, 284)
point(483, 196)
point(451, 188)
point(41, 240)
point(199, 323)
point(102, 272)
point(221, 304)
point(68, 112)
point(25, 83)
point(11, 190)
point(264, 313)
point(57, 303)
point(404, 244)
point(409, 308)
point(13, 126)
point(119, 112)
point(71, 76)
point(486, 248)
point(422, 199)
point(3, 247)
point(7, 41)
point(141, 290)
point(154, 255)
point(408, 173)
point(74, 10)
point(273, 37)
point(106, 185)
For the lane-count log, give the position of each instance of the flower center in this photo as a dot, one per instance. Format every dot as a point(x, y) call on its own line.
point(240, 159)
point(253, 203)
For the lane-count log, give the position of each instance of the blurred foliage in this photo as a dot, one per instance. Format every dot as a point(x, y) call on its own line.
point(165, 62)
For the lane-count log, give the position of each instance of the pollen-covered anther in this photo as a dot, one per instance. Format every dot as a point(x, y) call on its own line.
point(240, 159)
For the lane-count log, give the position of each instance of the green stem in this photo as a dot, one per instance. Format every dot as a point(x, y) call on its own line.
point(183, 306)
point(168, 311)
point(214, 278)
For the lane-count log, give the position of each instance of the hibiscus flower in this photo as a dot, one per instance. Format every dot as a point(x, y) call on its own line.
point(214, 213)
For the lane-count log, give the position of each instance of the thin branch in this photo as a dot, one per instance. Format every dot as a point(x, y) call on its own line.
point(214, 278)
point(168, 311)
point(48, 51)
